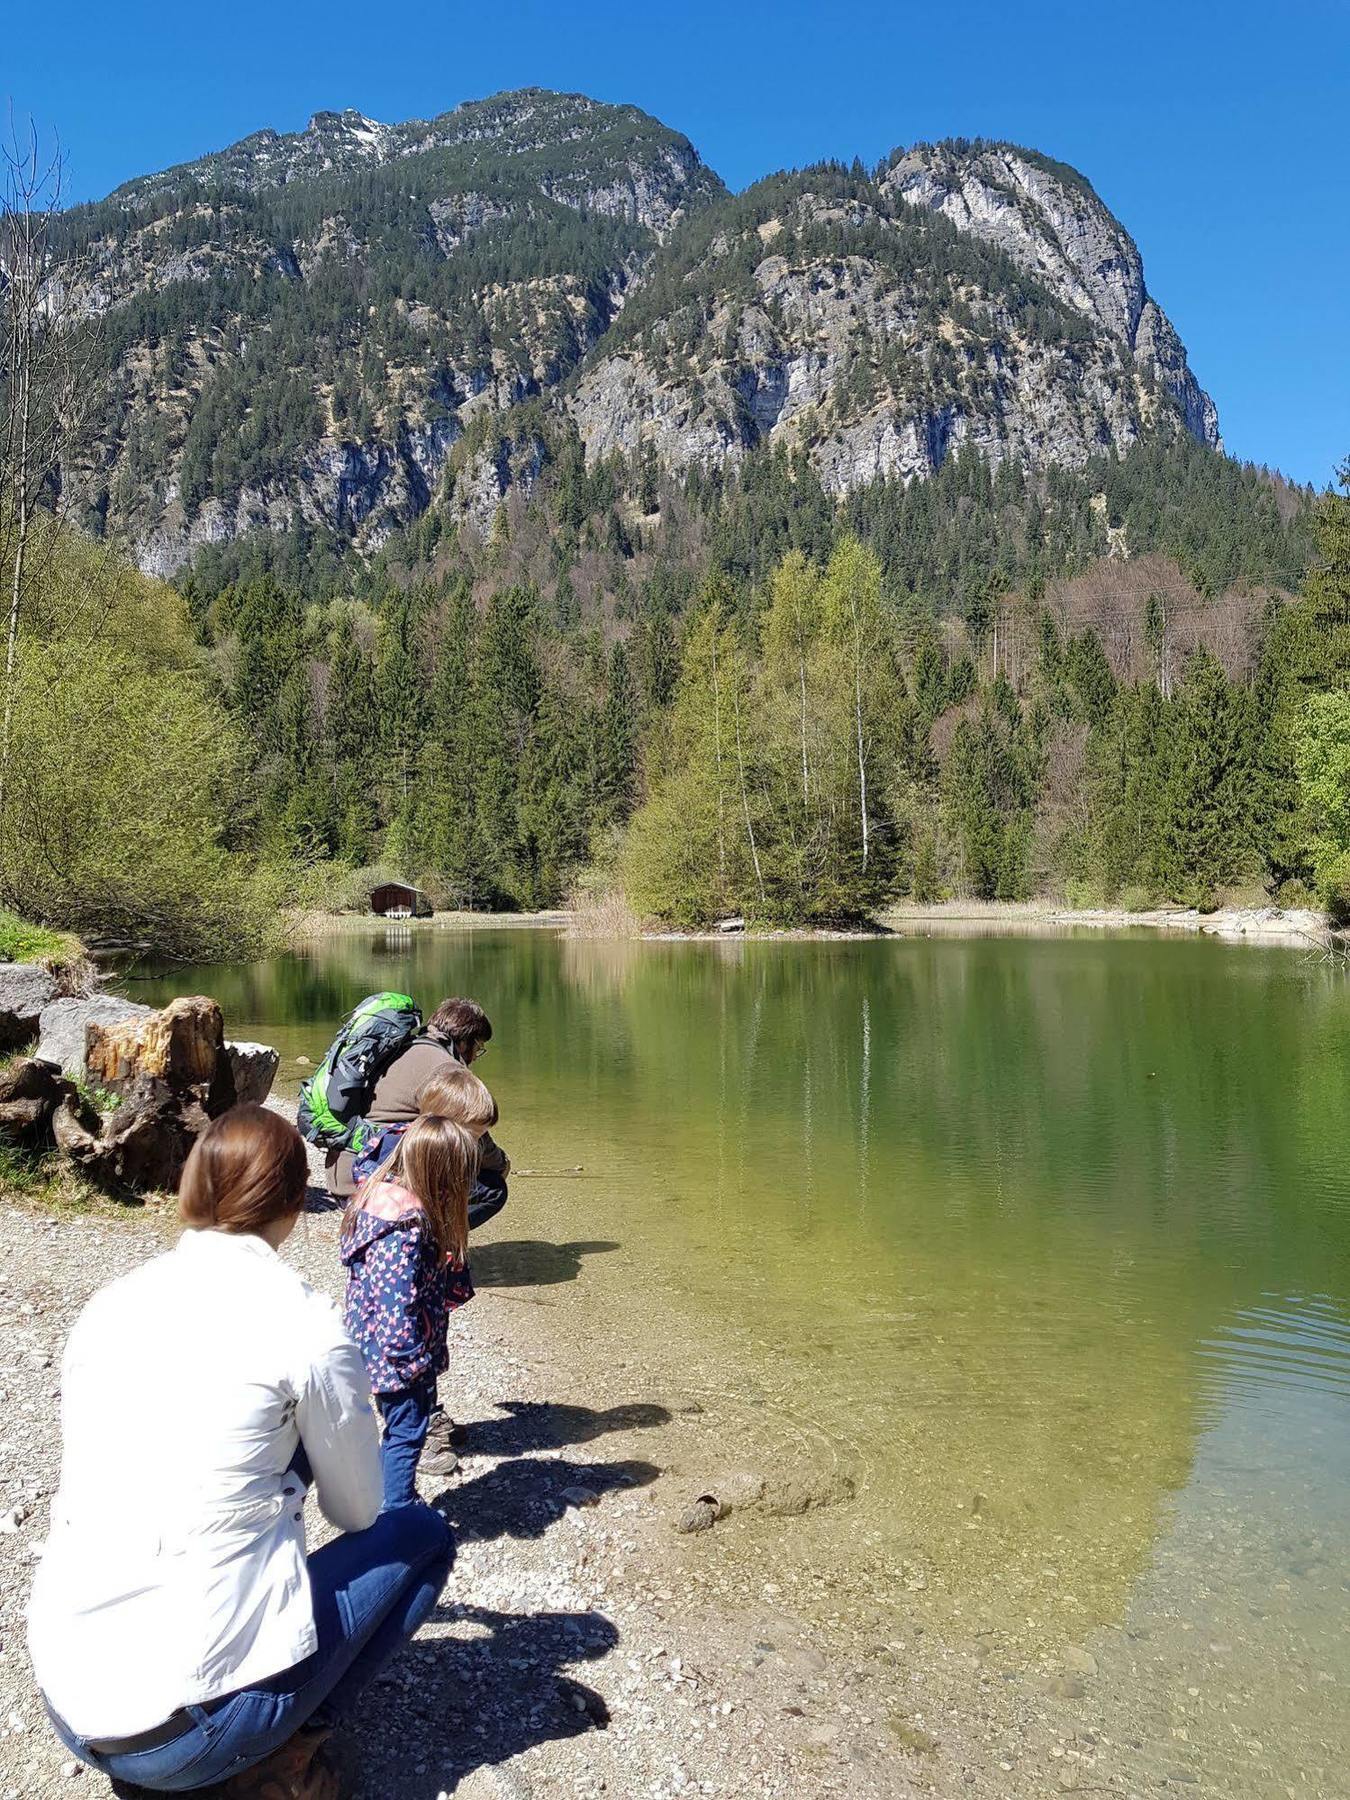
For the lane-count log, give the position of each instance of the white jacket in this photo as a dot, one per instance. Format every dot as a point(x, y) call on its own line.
point(175, 1562)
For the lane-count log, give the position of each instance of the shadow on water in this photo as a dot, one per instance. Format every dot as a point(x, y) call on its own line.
point(521, 1499)
point(526, 1262)
point(548, 1425)
point(483, 1696)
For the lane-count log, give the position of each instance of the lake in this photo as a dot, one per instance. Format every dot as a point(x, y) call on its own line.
point(1035, 1250)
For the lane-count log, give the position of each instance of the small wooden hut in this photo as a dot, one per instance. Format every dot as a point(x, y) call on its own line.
point(399, 900)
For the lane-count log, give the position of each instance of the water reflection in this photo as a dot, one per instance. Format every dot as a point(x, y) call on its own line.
point(1008, 1230)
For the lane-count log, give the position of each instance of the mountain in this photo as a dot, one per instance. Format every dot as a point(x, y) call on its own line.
point(967, 294)
point(300, 327)
point(625, 165)
point(337, 328)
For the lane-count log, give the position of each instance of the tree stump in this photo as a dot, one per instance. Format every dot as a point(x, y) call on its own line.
point(159, 1078)
point(255, 1069)
point(138, 1148)
point(180, 1049)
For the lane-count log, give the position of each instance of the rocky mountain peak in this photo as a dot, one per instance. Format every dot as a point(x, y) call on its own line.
point(1050, 220)
point(346, 325)
point(616, 160)
point(352, 130)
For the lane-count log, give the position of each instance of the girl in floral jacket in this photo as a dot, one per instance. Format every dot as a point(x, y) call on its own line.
point(404, 1243)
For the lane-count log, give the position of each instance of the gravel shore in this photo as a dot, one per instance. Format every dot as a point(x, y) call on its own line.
point(584, 1646)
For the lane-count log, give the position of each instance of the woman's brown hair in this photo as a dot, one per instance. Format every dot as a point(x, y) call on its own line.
point(455, 1092)
point(462, 1021)
point(247, 1169)
point(437, 1161)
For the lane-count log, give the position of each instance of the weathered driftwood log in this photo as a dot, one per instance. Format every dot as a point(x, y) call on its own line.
point(30, 1092)
point(181, 1048)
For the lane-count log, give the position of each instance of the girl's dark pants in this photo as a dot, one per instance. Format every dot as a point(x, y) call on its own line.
point(405, 1419)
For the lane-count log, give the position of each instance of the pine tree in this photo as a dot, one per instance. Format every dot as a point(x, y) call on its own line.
point(398, 694)
point(1206, 831)
point(972, 815)
point(617, 760)
point(454, 855)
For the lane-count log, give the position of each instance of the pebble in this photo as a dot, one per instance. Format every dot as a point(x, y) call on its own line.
point(1065, 1687)
point(700, 1515)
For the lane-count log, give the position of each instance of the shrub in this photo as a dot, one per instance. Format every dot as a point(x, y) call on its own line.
point(1135, 899)
point(124, 773)
point(1084, 895)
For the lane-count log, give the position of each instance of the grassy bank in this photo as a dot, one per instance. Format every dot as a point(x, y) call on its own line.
point(22, 941)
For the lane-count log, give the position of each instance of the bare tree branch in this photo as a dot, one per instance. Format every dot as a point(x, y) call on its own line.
point(45, 367)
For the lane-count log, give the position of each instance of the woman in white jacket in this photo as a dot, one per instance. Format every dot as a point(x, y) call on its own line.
point(179, 1633)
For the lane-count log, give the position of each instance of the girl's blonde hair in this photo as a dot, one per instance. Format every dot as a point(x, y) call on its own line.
point(436, 1159)
point(455, 1092)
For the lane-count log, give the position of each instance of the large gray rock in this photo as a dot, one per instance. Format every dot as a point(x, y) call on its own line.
point(64, 1023)
point(25, 988)
point(255, 1069)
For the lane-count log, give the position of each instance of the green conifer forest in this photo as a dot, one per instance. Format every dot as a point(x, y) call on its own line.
point(734, 696)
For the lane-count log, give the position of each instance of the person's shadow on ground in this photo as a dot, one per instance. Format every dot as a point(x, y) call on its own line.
point(550, 1425)
point(529, 1262)
point(522, 1498)
point(495, 1689)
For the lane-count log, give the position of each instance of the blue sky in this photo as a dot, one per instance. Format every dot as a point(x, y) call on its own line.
point(1215, 131)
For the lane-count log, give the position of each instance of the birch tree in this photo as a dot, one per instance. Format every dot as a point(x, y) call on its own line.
point(44, 383)
point(856, 625)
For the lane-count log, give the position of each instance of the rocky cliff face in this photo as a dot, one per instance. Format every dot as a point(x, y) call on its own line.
point(300, 330)
point(1051, 223)
point(826, 312)
point(625, 165)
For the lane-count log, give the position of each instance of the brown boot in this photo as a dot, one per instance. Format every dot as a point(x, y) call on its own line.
point(299, 1770)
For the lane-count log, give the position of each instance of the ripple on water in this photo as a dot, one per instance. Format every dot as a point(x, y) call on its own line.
point(1268, 1355)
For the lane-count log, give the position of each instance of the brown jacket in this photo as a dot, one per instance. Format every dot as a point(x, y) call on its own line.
point(398, 1100)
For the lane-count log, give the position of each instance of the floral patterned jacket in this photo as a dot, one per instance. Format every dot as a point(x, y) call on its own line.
point(400, 1291)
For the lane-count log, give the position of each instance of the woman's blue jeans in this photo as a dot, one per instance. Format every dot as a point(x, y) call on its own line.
point(371, 1591)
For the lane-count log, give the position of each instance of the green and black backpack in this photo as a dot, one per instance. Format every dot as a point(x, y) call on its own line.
point(334, 1099)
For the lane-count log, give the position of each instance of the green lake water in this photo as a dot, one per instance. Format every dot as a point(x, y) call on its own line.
point(1042, 1244)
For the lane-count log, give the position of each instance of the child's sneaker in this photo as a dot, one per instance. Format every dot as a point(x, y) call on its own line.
point(442, 1431)
point(437, 1456)
point(439, 1462)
